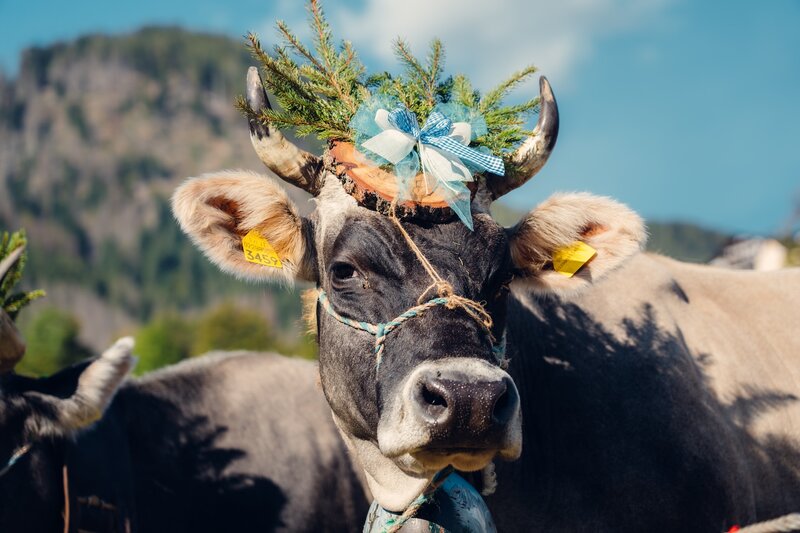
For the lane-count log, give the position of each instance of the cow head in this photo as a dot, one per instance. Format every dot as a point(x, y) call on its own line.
point(439, 396)
point(35, 414)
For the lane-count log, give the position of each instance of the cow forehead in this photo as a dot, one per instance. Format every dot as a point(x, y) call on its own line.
point(365, 237)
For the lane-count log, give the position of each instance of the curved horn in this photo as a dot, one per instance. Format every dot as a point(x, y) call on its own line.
point(12, 347)
point(290, 163)
point(97, 384)
point(8, 262)
point(532, 154)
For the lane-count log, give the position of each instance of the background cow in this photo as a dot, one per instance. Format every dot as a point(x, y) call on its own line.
point(226, 442)
point(662, 398)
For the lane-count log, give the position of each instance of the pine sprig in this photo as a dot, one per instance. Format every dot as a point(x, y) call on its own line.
point(318, 89)
point(420, 87)
point(12, 303)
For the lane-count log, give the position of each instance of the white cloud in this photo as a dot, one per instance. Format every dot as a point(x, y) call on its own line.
point(487, 40)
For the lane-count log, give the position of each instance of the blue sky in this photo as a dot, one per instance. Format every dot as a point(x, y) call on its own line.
point(682, 109)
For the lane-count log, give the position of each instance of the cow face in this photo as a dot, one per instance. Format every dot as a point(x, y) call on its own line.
point(438, 396)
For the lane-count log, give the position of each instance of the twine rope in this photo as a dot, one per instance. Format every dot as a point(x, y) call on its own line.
point(447, 298)
point(443, 288)
point(394, 525)
point(18, 454)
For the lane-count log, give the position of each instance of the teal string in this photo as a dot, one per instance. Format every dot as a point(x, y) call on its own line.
point(382, 329)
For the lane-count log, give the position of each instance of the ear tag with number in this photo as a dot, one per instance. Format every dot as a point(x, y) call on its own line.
point(567, 260)
point(258, 250)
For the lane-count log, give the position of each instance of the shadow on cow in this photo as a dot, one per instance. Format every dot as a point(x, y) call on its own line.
point(226, 442)
point(623, 430)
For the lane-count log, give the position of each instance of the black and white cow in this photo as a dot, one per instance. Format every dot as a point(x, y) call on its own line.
point(661, 398)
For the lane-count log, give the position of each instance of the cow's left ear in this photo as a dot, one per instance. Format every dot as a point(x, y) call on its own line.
point(611, 229)
point(246, 225)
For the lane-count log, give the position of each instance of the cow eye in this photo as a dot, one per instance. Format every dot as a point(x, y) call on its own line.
point(343, 271)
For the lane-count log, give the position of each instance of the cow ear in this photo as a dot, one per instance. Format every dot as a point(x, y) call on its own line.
point(611, 229)
point(219, 210)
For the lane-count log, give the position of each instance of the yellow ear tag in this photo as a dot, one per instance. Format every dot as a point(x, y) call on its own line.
point(567, 260)
point(258, 250)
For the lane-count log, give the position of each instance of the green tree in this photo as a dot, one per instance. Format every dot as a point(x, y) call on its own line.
point(228, 327)
point(53, 344)
point(167, 339)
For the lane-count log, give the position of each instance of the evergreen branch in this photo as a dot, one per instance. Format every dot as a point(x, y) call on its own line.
point(493, 98)
point(435, 60)
point(407, 58)
point(12, 304)
point(15, 303)
point(462, 91)
point(328, 53)
point(298, 47)
point(318, 89)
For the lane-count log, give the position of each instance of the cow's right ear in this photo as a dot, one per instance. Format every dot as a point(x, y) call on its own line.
point(219, 210)
point(613, 232)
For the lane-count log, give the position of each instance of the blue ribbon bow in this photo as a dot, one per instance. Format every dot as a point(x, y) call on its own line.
point(436, 131)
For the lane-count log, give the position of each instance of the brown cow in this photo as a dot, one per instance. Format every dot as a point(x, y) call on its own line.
point(663, 397)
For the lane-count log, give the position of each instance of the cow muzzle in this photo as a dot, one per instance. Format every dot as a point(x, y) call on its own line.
point(455, 411)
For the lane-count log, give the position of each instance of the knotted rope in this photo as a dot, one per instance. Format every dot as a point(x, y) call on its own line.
point(18, 454)
point(395, 524)
point(445, 298)
point(443, 288)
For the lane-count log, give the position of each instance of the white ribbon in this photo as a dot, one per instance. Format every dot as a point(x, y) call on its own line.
point(393, 145)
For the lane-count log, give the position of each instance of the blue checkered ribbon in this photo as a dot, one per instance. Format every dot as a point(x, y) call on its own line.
point(436, 131)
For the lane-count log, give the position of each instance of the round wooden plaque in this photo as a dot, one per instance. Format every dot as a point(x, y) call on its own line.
point(375, 188)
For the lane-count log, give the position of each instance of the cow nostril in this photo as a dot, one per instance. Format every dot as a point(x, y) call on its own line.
point(433, 398)
point(432, 401)
point(503, 406)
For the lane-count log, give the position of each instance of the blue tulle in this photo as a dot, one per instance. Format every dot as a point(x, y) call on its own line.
point(456, 193)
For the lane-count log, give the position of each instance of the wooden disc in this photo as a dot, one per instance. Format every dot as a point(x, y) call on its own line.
point(375, 188)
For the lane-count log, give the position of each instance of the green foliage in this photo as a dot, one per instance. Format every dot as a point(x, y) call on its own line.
point(53, 344)
point(170, 338)
point(317, 95)
point(319, 90)
point(420, 87)
point(12, 303)
point(230, 328)
point(684, 241)
point(167, 339)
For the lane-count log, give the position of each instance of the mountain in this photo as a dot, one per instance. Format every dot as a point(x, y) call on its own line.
point(96, 133)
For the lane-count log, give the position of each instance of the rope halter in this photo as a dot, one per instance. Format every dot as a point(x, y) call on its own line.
point(18, 454)
point(446, 298)
point(382, 329)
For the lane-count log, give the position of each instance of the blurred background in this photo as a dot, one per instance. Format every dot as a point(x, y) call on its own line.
point(686, 111)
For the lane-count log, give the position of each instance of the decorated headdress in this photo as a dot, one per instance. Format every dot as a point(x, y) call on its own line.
point(420, 143)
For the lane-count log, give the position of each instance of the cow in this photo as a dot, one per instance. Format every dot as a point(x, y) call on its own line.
point(236, 441)
point(639, 394)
